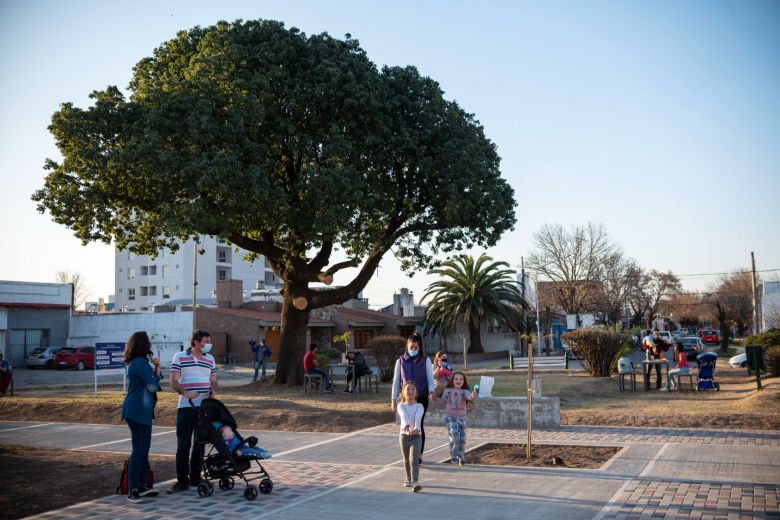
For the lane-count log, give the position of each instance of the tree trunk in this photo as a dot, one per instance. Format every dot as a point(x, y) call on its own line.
point(475, 339)
point(724, 328)
point(289, 367)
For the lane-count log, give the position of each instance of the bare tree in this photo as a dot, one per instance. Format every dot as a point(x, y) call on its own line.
point(619, 277)
point(572, 259)
point(736, 294)
point(80, 288)
point(689, 308)
point(651, 289)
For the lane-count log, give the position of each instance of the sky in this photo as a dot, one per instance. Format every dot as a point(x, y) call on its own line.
point(658, 119)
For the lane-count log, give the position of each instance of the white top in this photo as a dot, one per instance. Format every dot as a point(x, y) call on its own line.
point(397, 377)
point(411, 415)
point(194, 375)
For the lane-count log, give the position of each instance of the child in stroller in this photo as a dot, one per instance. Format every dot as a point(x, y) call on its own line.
point(227, 459)
point(706, 363)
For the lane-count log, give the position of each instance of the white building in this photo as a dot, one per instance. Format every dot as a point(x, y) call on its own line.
point(142, 282)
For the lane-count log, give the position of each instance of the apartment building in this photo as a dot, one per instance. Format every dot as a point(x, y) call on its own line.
point(141, 282)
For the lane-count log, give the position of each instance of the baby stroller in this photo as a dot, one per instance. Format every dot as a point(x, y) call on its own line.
point(706, 362)
point(219, 463)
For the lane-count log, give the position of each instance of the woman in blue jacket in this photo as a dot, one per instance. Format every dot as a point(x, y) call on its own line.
point(143, 382)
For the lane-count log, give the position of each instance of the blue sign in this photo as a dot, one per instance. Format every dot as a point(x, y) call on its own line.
point(109, 356)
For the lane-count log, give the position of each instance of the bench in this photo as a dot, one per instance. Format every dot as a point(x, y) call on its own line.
point(312, 382)
point(371, 382)
point(622, 380)
point(679, 377)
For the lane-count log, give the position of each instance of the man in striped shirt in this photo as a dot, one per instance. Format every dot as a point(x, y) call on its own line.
point(194, 377)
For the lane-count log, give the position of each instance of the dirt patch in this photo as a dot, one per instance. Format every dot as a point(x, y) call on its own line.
point(35, 478)
point(583, 457)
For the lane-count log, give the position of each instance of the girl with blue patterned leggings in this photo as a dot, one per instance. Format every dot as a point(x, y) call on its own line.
point(455, 397)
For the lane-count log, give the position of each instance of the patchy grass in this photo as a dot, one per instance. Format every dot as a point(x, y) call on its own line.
point(584, 400)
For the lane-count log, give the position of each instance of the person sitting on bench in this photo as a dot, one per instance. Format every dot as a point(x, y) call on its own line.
point(682, 365)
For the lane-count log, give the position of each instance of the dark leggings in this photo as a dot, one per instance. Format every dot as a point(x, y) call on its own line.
point(423, 400)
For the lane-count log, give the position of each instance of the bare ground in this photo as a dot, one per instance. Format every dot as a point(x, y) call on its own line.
point(498, 454)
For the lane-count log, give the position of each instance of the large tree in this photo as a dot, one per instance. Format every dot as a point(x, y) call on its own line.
point(651, 289)
point(573, 260)
point(473, 290)
point(287, 145)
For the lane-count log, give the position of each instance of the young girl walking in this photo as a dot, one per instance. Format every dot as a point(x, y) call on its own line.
point(455, 397)
point(411, 413)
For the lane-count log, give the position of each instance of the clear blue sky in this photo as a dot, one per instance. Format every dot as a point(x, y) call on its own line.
point(659, 119)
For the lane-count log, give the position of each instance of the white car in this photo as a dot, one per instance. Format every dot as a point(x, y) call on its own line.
point(738, 361)
point(666, 336)
point(41, 357)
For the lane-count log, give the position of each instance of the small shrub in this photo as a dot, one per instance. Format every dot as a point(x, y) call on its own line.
point(597, 349)
point(770, 338)
point(330, 352)
point(773, 360)
point(386, 350)
point(323, 359)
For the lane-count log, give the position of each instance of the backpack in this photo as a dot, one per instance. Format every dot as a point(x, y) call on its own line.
point(121, 489)
point(267, 351)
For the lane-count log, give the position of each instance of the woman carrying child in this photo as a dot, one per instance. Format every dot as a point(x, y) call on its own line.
point(682, 365)
point(442, 371)
point(455, 397)
point(411, 414)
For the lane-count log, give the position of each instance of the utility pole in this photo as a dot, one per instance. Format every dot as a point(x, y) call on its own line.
point(523, 343)
point(196, 243)
point(756, 325)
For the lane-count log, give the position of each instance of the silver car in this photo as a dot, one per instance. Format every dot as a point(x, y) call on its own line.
point(41, 357)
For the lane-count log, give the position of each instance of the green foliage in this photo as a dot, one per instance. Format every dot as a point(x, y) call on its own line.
point(472, 290)
point(244, 115)
point(597, 349)
point(323, 358)
point(330, 352)
point(770, 338)
point(386, 349)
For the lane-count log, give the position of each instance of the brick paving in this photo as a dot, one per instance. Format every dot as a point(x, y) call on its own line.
point(710, 484)
point(701, 500)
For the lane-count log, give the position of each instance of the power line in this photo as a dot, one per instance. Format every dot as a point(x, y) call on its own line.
point(729, 272)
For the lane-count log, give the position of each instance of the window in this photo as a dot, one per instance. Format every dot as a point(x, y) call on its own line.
point(152, 290)
point(131, 294)
point(152, 270)
point(166, 271)
point(130, 255)
point(221, 256)
point(144, 270)
point(221, 274)
point(166, 291)
point(131, 273)
point(144, 291)
point(120, 290)
point(120, 269)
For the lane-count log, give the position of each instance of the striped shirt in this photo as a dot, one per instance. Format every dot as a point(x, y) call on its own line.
point(194, 375)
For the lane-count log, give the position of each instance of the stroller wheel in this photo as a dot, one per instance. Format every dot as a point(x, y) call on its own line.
point(266, 486)
point(205, 489)
point(226, 483)
point(250, 493)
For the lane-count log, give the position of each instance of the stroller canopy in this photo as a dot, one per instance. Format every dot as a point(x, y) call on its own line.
point(213, 410)
point(707, 356)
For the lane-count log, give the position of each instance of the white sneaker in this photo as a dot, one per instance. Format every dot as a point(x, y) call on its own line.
point(663, 389)
point(408, 483)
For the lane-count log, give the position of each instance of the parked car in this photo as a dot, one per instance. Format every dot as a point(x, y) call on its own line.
point(75, 357)
point(41, 357)
point(676, 335)
point(738, 361)
point(666, 336)
point(692, 347)
point(709, 336)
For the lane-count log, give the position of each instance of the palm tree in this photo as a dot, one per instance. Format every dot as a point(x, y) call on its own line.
point(472, 291)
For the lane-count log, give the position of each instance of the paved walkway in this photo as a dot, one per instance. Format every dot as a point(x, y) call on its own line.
point(659, 472)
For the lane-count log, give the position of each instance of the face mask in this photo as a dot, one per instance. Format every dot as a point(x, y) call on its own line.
point(206, 348)
point(413, 353)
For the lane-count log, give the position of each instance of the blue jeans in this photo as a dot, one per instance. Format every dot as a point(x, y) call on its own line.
point(141, 439)
point(671, 373)
point(324, 375)
point(258, 365)
point(187, 470)
point(456, 434)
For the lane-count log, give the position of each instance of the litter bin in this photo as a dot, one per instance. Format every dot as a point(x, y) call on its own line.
point(755, 361)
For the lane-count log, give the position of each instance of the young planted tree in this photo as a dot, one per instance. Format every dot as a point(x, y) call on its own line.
point(472, 291)
point(287, 145)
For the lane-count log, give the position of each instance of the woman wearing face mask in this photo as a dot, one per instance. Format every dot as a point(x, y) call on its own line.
point(194, 377)
point(414, 365)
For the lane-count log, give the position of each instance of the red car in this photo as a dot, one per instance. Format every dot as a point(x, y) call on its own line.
point(75, 357)
point(710, 337)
